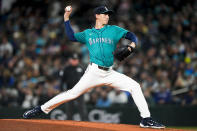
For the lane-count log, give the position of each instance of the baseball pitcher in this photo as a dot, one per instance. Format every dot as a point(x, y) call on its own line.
point(101, 41)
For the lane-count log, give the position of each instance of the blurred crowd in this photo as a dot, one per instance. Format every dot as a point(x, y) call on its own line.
point(34, 48)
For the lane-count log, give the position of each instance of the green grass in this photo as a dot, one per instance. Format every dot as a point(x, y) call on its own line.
point(189, 128)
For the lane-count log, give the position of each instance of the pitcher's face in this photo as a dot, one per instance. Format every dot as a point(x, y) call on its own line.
point(103, 18)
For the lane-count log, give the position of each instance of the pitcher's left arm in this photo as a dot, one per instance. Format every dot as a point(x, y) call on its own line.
point(123, 52)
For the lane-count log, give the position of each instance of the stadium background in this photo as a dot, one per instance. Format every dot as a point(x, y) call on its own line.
point(34, 48)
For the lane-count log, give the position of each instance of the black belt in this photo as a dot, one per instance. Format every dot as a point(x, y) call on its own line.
point(101, 67)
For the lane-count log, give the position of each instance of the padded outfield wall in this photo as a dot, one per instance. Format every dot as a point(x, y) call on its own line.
point(168, 115)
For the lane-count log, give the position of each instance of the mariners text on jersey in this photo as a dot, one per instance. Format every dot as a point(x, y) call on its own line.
point(101, 40)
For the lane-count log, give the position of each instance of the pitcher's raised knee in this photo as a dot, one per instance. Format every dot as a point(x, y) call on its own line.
point(137, 86)
point(134, 87)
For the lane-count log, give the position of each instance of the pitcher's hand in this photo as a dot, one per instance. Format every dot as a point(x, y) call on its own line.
point(67, 13)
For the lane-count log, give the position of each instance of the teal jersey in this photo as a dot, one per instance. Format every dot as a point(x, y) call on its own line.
point(101, 43)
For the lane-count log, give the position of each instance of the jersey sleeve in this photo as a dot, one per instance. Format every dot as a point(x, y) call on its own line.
point(80, 37)
point(120, 32)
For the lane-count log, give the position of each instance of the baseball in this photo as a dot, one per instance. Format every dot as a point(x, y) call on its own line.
point(68, 8)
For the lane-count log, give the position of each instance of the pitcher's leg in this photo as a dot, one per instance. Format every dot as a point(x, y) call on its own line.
point(81, 87)
point(123, 82)
point(60, 99)
point(140, 101)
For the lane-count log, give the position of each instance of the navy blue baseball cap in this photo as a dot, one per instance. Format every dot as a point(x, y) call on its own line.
point(103, 10)
point(74, 56)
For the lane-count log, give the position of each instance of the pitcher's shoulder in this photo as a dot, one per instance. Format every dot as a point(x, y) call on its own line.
point(112, 26)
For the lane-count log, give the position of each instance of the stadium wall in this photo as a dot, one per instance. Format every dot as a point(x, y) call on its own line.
point(168, 115)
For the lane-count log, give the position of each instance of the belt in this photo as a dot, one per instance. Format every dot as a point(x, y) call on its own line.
point(102, 67)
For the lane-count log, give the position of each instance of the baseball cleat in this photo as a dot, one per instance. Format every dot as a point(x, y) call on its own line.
point(35, 112)
point(150, 123)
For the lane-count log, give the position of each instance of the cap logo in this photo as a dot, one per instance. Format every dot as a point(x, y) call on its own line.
point(106, 8)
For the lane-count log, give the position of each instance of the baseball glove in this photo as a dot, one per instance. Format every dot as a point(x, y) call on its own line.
point(123, 52)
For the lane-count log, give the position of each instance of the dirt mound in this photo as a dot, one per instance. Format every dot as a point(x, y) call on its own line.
point(57, 125)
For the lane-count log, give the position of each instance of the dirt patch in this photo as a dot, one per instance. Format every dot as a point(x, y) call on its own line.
point(57, 125)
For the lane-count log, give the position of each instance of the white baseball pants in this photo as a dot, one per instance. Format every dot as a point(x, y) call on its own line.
point(95, 77)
